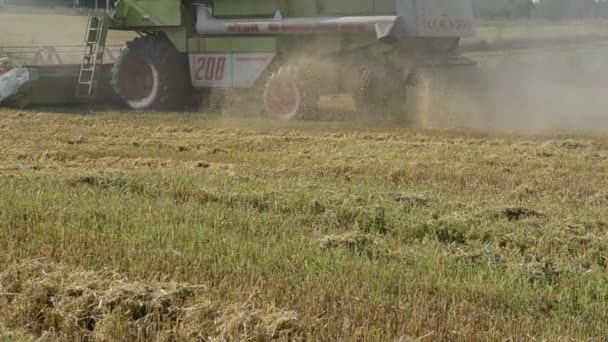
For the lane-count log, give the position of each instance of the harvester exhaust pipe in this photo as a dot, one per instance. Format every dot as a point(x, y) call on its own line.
point(385, 27)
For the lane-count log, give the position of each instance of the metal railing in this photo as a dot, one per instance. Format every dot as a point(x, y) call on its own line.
point(96, 6)
point(49, 55)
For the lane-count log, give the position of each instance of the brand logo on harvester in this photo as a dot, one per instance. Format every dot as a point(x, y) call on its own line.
point(243, 28)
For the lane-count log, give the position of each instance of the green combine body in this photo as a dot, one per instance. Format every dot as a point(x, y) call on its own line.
point(293, 51)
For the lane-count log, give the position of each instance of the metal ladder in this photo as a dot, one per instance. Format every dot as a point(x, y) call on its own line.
point(95, 40)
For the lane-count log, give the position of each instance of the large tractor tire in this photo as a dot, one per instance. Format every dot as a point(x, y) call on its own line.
point(151, 74)
point(288, 95)
point(380, 91)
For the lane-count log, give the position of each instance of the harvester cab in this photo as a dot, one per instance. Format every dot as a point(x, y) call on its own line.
point(292, 51)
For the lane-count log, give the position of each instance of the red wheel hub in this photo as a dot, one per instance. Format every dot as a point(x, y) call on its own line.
point(138, 80)
point(282, 98)
point(4, 70)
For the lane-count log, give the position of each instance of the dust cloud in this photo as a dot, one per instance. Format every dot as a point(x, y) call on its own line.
point(563, 87)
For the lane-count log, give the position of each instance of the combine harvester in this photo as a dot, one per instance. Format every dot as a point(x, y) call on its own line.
point(293, 51)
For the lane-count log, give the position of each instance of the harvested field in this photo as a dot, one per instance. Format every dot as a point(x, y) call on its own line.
point(188, 227)
point(180, 227)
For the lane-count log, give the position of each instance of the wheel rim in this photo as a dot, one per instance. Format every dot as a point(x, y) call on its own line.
point(138, 80)
point(282, 97)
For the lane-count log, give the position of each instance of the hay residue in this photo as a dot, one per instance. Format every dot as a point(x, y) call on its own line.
point(599, 198)
point(241, 322)
point(518, 213)
point(412, 200)
point(201, 164)
point(76, 140)
point(524, 191)
point(51, 302)
point(350, 240)
point(573, 144)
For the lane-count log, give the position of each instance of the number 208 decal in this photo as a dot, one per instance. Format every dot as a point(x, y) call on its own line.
point(210, 68)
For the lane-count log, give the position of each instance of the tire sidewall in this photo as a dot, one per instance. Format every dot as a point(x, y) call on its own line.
point(293, 83)
point(170, 88)
point(151, 99)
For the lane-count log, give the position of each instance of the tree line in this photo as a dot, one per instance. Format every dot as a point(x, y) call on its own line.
point(490, 9)
point(545, 9)
point(59, 3)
